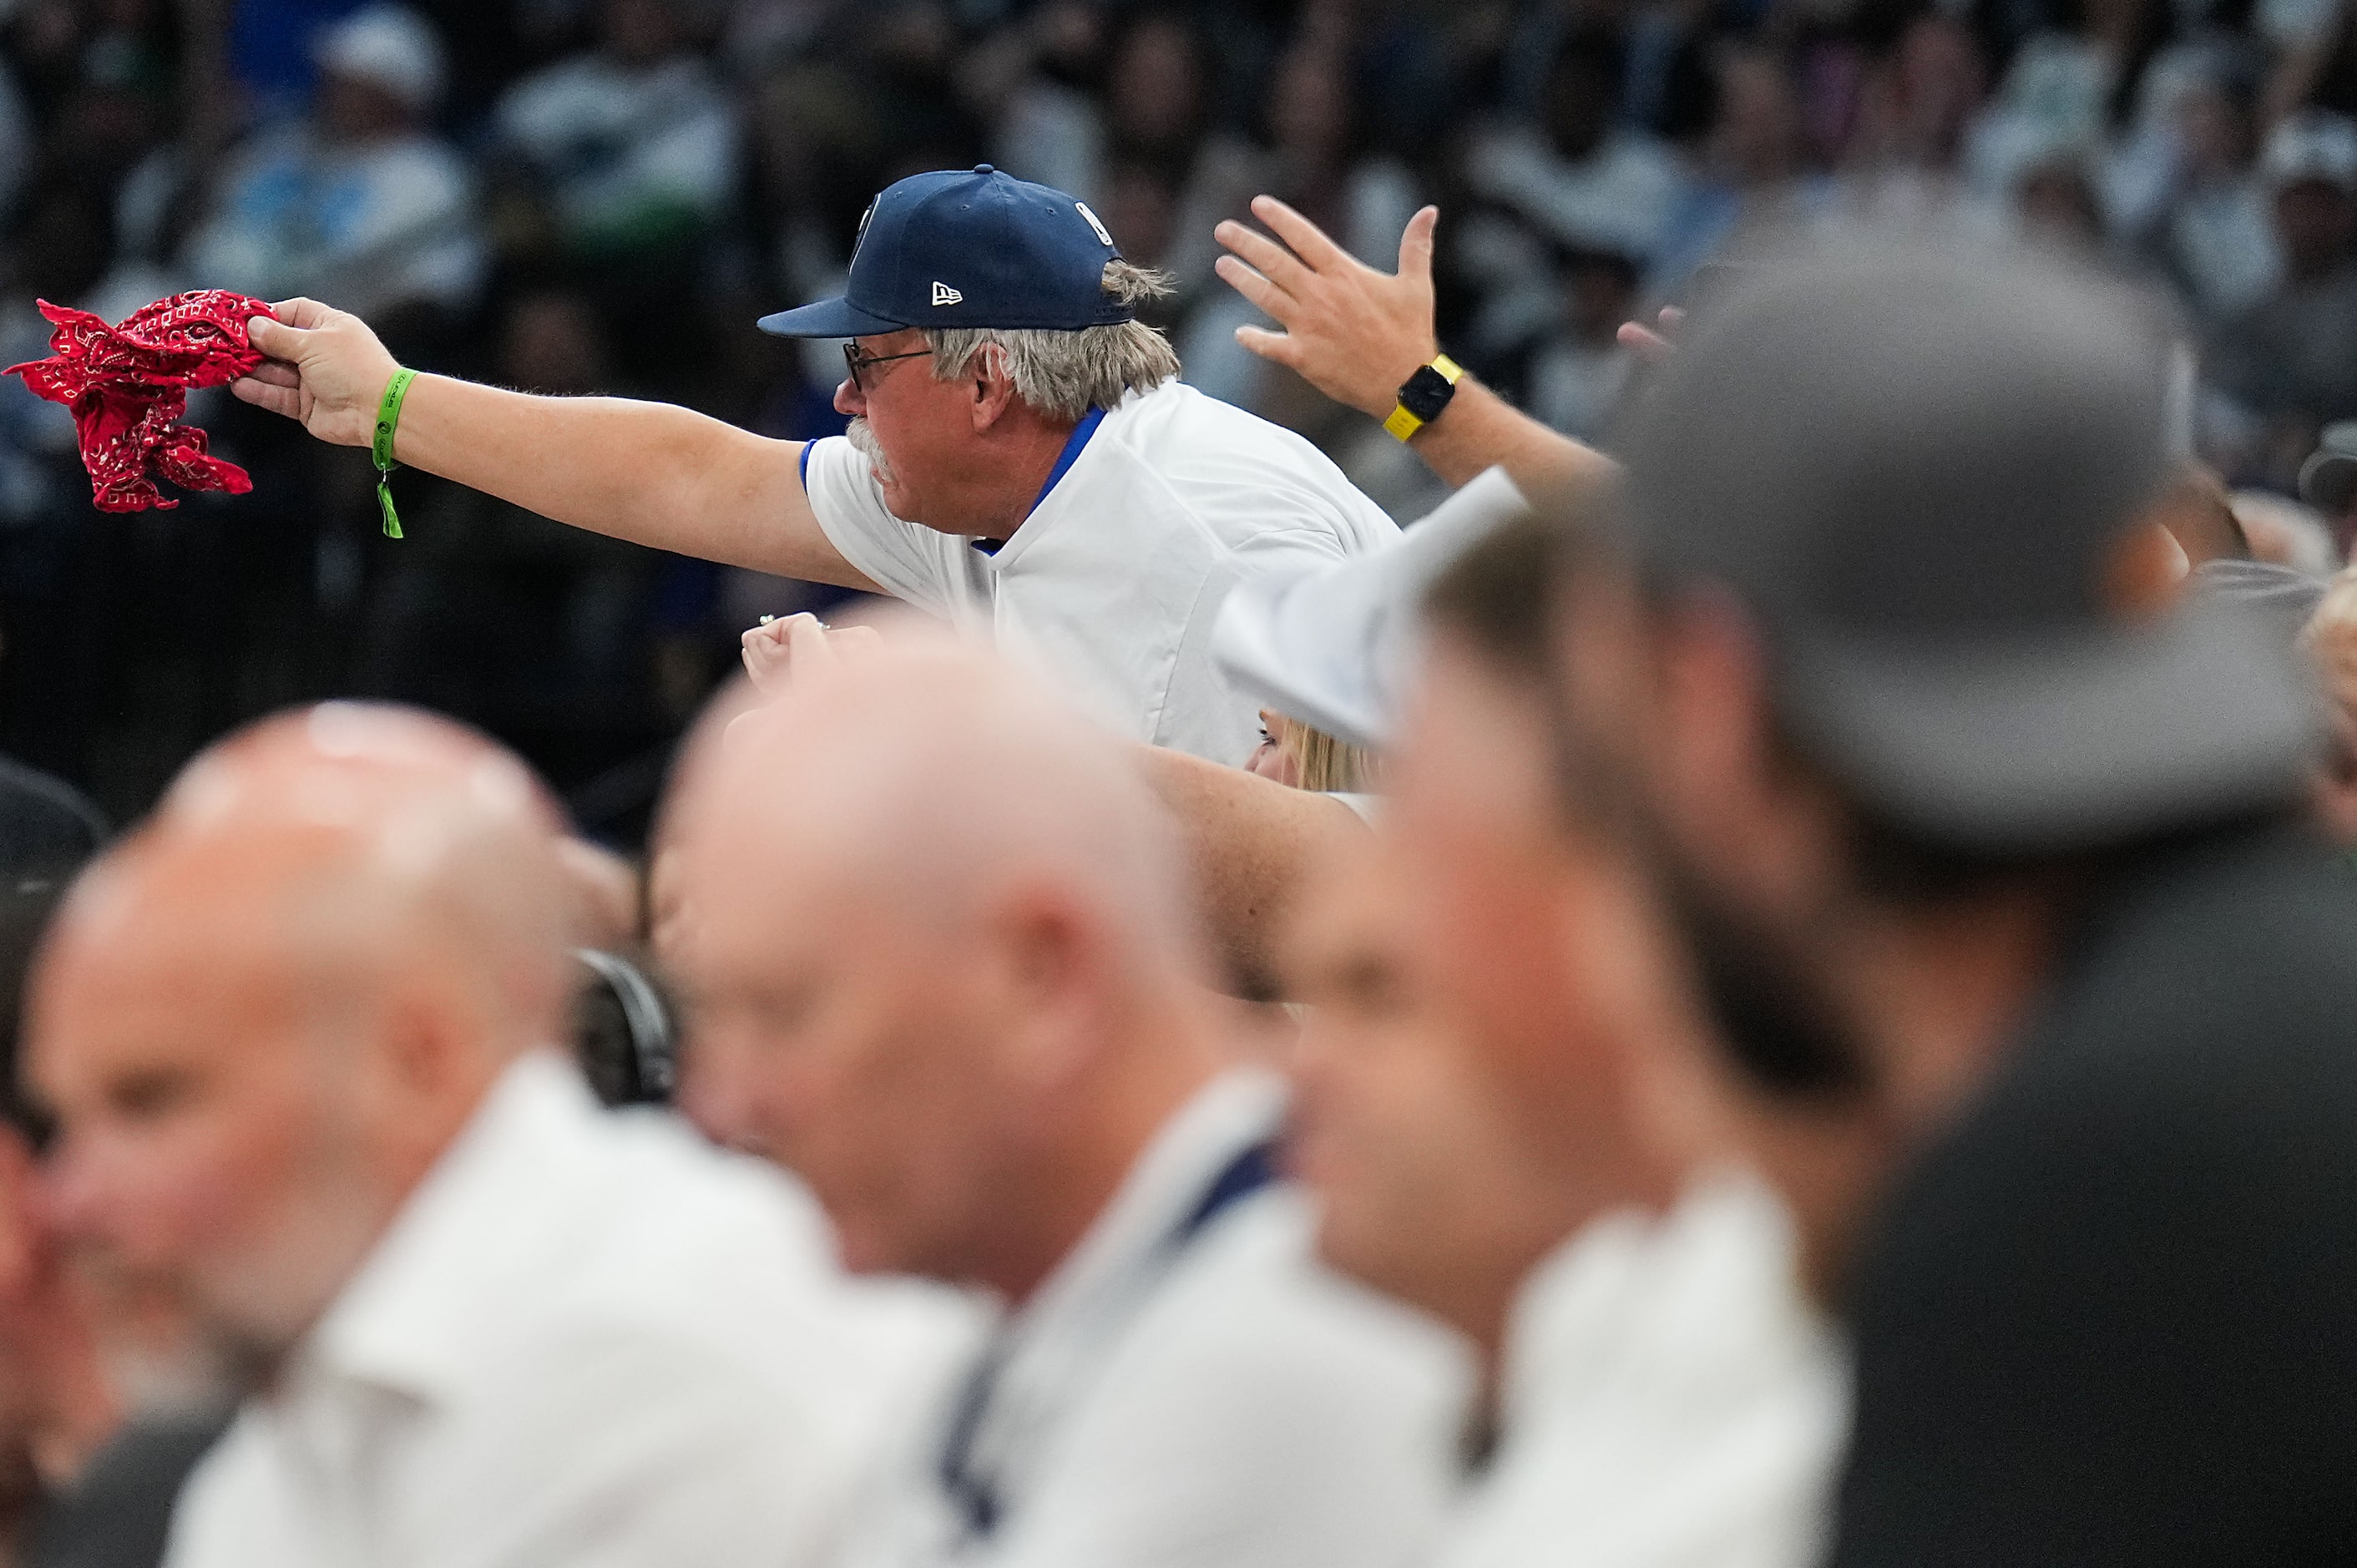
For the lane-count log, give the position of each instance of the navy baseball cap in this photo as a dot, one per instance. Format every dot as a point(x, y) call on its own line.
point(959, 248)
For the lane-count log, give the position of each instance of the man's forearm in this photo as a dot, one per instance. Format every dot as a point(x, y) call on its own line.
point(649, 472)
point(1480, 430)
point(1251, 842)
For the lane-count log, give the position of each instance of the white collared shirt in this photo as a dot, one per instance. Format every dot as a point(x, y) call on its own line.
point(1113, 583)
point(1668, 1400)
point(1220, 1403)
point(587, 1339)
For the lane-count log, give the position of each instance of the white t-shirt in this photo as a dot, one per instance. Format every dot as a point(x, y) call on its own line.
point(1113, 583)
point(1168, 1400)
point(1668, 1400)
point(588, 1339)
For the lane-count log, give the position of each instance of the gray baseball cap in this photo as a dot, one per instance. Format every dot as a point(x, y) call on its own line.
point(1913, 470)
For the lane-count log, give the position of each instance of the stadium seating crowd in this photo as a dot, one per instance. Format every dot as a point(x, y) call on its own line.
point(570, 194)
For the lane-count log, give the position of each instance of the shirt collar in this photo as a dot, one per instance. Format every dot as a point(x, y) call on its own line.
point(1708, 1289)
point(466, 1244)
point(1234, 1111)
point(1074, 445)
point(1053, 1344)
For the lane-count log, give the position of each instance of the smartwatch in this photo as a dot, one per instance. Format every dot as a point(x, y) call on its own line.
point(1423, 396)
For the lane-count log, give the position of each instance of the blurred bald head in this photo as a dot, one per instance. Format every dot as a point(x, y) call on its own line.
point(939, 953)
point(928, 774)
point(262, 1018)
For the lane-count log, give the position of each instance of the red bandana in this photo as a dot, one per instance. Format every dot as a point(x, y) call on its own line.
point(128, 386)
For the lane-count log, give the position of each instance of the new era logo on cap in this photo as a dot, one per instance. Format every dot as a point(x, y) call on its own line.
point(944, 295)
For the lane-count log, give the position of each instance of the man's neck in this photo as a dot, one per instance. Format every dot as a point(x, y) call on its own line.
point(1166, 1060)
point(1009, 482)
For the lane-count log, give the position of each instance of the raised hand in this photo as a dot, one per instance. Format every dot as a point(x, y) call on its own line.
point(1353, 333)
point(326, 370)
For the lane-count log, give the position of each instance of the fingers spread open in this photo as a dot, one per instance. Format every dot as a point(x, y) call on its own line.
point(1308, 240)
point(1254, 287)
point(1264, 256)
point(1277, 348)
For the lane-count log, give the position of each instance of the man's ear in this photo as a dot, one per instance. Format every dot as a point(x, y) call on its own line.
point(1049, 953)
point(992, 388)
point(430, 1049)
point(1737, 799)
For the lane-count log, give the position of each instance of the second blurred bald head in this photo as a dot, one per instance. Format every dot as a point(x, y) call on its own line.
point(938, 955)
point(262, 1018)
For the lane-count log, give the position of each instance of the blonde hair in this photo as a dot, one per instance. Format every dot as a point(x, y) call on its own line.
point(1065, 373)
point(1322, 764)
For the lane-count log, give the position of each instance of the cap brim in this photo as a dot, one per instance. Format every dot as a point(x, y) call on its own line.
point(2081, 743)
point(2328, 482)
point(1331, 645)
point(836, 317)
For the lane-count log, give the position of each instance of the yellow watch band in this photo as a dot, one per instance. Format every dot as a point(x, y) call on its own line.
point(1402, 424)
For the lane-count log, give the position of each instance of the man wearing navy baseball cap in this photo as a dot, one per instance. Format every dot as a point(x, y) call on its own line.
point(1022, 456)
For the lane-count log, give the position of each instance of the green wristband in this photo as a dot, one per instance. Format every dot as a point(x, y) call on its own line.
point(388, 418)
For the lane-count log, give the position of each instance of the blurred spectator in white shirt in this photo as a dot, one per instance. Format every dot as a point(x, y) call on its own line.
point(1753, 171)
point(297, 1036)
point(2217, 237)
point(1905, 155)
point(1512, 1122)
point(358, 202)
point(2290, 363)
point(1576, 376)
point(1314, 150)
point(633, 146)
point(2071, 83)
point(980, 1034)
point(1581, 175)
point(1046, 125)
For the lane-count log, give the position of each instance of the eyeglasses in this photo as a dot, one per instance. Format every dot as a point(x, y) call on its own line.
point(858, 362)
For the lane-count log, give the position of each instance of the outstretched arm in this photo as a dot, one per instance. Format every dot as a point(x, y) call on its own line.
point(1355, 334)
point(1251, 842)
point(648, 472)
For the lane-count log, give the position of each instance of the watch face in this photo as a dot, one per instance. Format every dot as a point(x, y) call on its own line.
point(1427, 394)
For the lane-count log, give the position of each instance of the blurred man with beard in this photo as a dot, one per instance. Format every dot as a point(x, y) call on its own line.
point(1980, 851)
point(1968, 833)
point(1512, 1123)
point(297, 1036)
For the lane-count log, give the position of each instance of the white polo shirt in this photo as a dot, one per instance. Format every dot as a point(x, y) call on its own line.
point(587, 1338)
point(1112, 584)
point(1188, 1389)
point(1668, 1399)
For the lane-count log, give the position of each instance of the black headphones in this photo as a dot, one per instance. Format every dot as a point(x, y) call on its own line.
point(624, 1033)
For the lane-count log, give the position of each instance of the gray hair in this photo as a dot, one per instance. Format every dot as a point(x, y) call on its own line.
point(1063, 375)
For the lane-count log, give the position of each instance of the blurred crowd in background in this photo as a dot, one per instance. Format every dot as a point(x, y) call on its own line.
point(602, 195)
